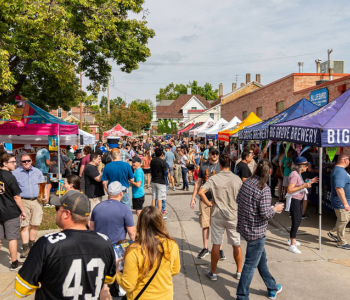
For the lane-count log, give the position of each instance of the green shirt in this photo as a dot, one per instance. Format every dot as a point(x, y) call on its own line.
point(287, 160)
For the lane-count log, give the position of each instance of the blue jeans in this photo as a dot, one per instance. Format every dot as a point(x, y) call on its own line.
point(184, 177)
point(126, 200)
point(255, 258)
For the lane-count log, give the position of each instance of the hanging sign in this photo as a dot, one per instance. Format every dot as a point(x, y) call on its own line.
point(53, 143)
point(331, 152)
point(319, 97)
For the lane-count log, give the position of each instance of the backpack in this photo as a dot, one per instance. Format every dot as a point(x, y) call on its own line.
point(107, 158)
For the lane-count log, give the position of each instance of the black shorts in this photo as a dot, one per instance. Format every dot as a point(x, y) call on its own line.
point(137, 203)
point(10, 229)
point(147, 171)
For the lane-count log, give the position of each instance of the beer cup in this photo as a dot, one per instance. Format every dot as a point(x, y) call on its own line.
point(42, 186)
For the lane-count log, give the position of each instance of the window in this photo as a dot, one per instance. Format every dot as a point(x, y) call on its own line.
point(259, 111)
point(211, 115)
point(69, 113)
point(194, 108)
point(280, 106)
point(59, 113)
point(245, 114)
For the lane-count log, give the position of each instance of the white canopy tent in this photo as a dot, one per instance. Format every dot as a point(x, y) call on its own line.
point(207, 124)
point(213, 131)
point(235, 121)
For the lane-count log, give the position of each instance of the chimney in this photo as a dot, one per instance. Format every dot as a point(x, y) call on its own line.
point(234, 86)
point(242, 84)
point(189, 91)
point(300, 64)
point(318, 65)
point(258, 78)
point(221, 90)
point(247, 77)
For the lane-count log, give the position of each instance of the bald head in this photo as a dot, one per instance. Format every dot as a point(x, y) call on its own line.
point(342, 156)
point(343, 160)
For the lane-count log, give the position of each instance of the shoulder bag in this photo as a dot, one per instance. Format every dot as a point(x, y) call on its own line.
point(148, 282)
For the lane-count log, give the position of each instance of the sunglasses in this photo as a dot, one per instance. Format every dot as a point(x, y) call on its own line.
point(215, 154)
point(26, 161)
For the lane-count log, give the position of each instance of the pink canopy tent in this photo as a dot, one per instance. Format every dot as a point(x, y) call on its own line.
point(29, 119)
point(118, 130)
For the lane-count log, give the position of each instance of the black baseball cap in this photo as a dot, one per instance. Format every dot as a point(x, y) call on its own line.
point(137, 159)
point(157, 144)
point(75, 202)
point(77, 151)
point(213, 148)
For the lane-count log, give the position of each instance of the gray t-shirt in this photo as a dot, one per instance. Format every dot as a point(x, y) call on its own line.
point(203, 173)
point(169, 158)
point(224, 188)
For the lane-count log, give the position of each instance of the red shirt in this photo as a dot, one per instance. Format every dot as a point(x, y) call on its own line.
point(84, 161)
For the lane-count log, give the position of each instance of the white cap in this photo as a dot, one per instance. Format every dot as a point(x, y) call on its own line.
point(27, 146)
point(71, 150)
point(115, 188)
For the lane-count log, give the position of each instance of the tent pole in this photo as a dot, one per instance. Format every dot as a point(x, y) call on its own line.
point(58, 161)
point(270, 162)
point(238, 149)
point(320, 150)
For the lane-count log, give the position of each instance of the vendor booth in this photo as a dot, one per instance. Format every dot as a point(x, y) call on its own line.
point(207, 124)
point(224, 135)
point(187, 132)
point(117, 130)
point(188, 127)
point(212, 133)
point(326, 127)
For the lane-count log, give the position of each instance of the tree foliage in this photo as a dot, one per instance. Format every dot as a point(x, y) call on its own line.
point(45, 44)
point(167, 126)
point(112, 102)
point(144, 107)
point(128, 117)
point(172, 91)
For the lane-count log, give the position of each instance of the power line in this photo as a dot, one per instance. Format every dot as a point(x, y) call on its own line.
point(214, 64)
point(125, 93)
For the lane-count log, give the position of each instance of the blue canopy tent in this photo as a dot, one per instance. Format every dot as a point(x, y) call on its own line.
point(260, 131)
point(329, 126)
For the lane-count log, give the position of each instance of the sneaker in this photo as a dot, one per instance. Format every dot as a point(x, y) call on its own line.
point(16, 265)
point(296, 243)
point(333, 237)
point(211, 276)
point(174, 189)
point(346, 247)
point(204, 252)
point(305, 216)
point(273, 294)
point(164, 211)
point(25, 251)
point(238, 275)
point(222, 255)
point(165, 218)
point(294, 249)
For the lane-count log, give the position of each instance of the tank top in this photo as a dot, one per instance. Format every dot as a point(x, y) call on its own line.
point(146, 163)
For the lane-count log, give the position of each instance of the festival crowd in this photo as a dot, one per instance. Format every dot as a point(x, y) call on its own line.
point(102, 184)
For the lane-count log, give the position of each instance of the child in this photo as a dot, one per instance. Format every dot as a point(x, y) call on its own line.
point(195, 173)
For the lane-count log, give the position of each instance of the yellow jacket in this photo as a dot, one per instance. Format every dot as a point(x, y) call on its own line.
point(161, 286)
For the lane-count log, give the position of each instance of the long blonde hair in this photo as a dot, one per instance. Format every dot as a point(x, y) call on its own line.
point(151, 234)
point(148, 155)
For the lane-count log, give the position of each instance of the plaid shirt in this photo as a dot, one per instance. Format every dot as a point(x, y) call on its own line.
point(124, 155)
point(254, 209)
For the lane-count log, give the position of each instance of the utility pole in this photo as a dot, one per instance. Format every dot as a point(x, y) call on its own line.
point(329, 64)
point(108, 104)
point(81, 103)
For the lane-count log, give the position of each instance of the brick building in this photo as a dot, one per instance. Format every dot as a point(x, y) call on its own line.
point(73, 116)
point(277, 96)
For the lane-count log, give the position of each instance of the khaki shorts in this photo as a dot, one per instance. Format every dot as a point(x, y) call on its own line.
point(218, 227)
point(34, 212)
point(94, 202)
point(204, 214)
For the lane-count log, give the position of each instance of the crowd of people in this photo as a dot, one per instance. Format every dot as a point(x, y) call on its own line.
point(95, 215)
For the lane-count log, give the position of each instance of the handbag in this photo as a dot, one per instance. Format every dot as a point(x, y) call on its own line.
point(278, 173)
point(148, 282)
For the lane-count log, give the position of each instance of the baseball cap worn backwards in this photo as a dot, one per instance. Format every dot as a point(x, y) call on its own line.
point(75, 202)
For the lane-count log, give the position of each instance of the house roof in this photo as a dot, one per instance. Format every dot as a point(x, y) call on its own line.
point(173, 110)
point(165, 102)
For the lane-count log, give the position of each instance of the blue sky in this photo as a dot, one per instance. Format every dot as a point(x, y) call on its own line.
point(213, 41)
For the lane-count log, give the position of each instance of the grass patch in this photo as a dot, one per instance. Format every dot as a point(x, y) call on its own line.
point(49, 219)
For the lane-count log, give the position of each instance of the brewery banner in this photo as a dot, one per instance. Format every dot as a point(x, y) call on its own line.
point(53, 143)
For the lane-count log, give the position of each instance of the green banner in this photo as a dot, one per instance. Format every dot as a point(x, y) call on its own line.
point(287, 146)
point(331, 153)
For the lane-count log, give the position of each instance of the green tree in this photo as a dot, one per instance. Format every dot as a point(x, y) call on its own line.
point(112, 102)
point(172, 91)
point(167, 126)
point(143, 106)
point(45, 44)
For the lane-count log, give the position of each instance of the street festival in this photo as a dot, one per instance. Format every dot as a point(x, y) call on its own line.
point(141, 198)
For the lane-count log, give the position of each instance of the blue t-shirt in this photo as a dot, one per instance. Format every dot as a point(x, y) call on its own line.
point(111, 218)
point(118, 171)
point(40, 160)
point(138, 176)
point(169, 158)
point(339, 179)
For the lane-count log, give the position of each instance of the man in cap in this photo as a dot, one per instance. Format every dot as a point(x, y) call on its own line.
point(76, 162)
point(72, 263)
point(138, 192)
point(207, 169)
point(113, 218)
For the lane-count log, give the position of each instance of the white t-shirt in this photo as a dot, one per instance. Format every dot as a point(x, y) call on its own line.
point(184, 161)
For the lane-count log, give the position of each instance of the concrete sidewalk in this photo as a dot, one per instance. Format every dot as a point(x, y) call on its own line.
point(311, 275)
